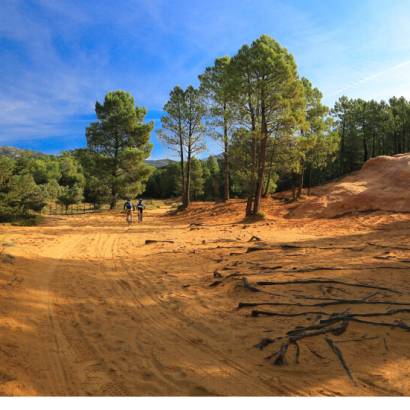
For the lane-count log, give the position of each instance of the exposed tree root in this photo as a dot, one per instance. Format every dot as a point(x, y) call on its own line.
point(254, 238)
point(150, 241)
point(397, 325)
point(332, 316)
point(386, 347)
point(221, 240)
point(360, 339)
point(299, 246)
point(336, 325)
point(256, 313)
point(334, 302)
point(315, 353)
point(333, 281)
point(339, 355)
point(258, 248)
point(298, 334)
point(236, 274)
point(218, 274)
point(297, 354)
point(381, 245)
point(247, 286)
point(266, 342)
point(332, 268)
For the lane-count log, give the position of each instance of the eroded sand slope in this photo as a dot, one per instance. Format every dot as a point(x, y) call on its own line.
point(383, 184)
point(87, 308)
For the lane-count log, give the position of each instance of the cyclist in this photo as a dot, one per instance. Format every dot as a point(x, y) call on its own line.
point(128, 208)
point(140, 209)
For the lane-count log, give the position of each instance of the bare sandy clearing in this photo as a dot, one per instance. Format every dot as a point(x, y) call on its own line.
point(86, 308)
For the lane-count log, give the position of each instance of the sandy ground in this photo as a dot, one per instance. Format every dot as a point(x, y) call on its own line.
point(87, 308)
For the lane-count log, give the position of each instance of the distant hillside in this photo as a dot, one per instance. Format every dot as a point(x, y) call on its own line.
point(158, 163)
point(14, 152)
point(17, 152)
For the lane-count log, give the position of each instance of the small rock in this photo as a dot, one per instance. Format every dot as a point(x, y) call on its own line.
point(6, 258)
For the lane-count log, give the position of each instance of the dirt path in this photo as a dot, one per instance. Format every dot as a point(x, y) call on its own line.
point(87, 308)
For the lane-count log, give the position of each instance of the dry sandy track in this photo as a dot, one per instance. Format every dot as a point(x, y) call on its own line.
point(87, 308)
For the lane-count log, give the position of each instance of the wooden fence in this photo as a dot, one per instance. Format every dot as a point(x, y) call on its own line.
point(76, 209)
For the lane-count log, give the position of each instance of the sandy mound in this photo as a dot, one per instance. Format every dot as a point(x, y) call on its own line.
point(383, 184)
point(225, 213)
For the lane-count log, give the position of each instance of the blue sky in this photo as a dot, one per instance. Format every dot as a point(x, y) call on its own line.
point(57, 57)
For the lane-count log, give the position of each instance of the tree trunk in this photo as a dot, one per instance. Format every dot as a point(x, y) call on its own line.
point(309, 180)
point(265, 193)
point(300, 186)
point(365, 150)
point(114, 191)
point(188, 179)
point(396, 144)
point(294, 187)
point(262, 159)
point(226, 164)
point(181, 154)
point(261, 174)
point(251, 193)
point(342, 148)
point(114, 195)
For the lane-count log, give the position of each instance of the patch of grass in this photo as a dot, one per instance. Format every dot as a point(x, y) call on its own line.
point(259, 216)
point(28, 220)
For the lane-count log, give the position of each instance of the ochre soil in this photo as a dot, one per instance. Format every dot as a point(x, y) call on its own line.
point(87, 308)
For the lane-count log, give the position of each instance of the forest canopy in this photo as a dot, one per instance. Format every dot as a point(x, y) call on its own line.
point(272, 127)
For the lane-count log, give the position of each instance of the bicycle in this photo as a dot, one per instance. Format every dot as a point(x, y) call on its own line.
point(129, 218)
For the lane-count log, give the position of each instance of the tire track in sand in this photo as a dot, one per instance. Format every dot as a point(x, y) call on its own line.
point(199, 355)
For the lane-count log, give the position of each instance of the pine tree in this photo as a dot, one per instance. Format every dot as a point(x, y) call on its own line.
point(122, 138)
